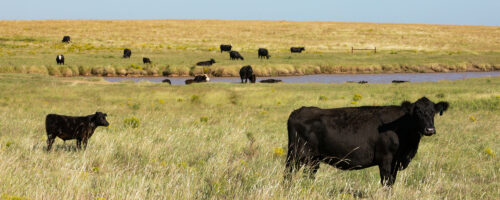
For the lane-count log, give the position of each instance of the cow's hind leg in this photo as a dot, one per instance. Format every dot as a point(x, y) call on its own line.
point(50, 140)
point(293, 163)
point(311, 168)
point(79, 143)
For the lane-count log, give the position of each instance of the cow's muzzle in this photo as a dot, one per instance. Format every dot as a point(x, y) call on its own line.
point(429, 131)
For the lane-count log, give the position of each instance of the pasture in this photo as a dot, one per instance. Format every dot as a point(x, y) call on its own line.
point(228, 141)
point(174, 46)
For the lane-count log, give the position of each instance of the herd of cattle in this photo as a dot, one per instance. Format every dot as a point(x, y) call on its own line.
point(348, 138)
point(246, 72)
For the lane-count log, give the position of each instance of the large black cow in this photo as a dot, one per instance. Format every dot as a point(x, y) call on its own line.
point(234, 55)
point(127, 53)
point(225, 47)
point(167, 81)
point(60, 59)
point(66, 39)
point(297, 49)
point(263, 53)
point(146, 60)
point(206, 63)
point(360, 137)
point(68, 127)
point(246, 73)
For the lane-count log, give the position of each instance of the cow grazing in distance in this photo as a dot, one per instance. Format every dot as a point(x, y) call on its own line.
point(206, 63)
point(127, 53)
point(355, 138)
point(362, 82)
point(60, 59)
point(167, 81)
point(225, 47)
point(246, 73)
point(146, 60)
point(297, 49)
point(198, 79)
point(234, 55)
point(399, 81)
point(270, 81)
point(66, 39)
point(68, 127)
point(263, 53)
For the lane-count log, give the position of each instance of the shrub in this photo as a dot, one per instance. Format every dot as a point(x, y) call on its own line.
point(323, 98)
point(204, 119)
point(195, 99)
point(132, 122)
point(357, 97)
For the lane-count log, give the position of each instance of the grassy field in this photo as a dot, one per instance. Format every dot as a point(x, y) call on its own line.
point(228, 141)
point(174, 46)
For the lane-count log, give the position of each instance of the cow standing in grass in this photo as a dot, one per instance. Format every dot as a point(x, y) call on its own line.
point(355, 138)
point(146, 60)
point(66, 39)
point(60, 59)
point(69, 127)
point(127, 53)
point(234, 55)
point(263, 53)
point(297, 49)
point(225, 47)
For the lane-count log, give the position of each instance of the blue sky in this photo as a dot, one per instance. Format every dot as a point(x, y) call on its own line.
point(471, 12)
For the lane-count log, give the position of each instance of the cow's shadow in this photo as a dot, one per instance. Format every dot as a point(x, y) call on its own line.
point(68, 147)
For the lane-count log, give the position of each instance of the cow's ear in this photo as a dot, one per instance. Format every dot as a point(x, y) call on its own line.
point(441, 107)
point(407, 106)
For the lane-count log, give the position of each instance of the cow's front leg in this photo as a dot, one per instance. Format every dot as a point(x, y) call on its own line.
point(387, 175)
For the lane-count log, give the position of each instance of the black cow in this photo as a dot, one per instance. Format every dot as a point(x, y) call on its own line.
point(60, 59)
point(206, 63)
point(68, 127)
point(360, 137)
point(66, 39)
point(234, 55)
point(297, 49)
point(198, 79)
point(270, 81)
point(263, 53)
point(225, 47)
point(246, 73)
point(167, 81)
point(127, 53)
point(146, 60)
point(399, 81)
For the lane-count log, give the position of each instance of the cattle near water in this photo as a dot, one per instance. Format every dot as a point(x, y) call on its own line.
point(60, 59)
point(271, 80)
point(225, 47)
point(246, 73)
point(234, 55)
point(69, 127)
point(263, 53)
point(127, 53)
point(354, 138)
point(198, 79)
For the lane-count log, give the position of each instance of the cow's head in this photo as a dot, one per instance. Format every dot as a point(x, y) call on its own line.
point(99, 119)
point(423, 112)
point(252, 78)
